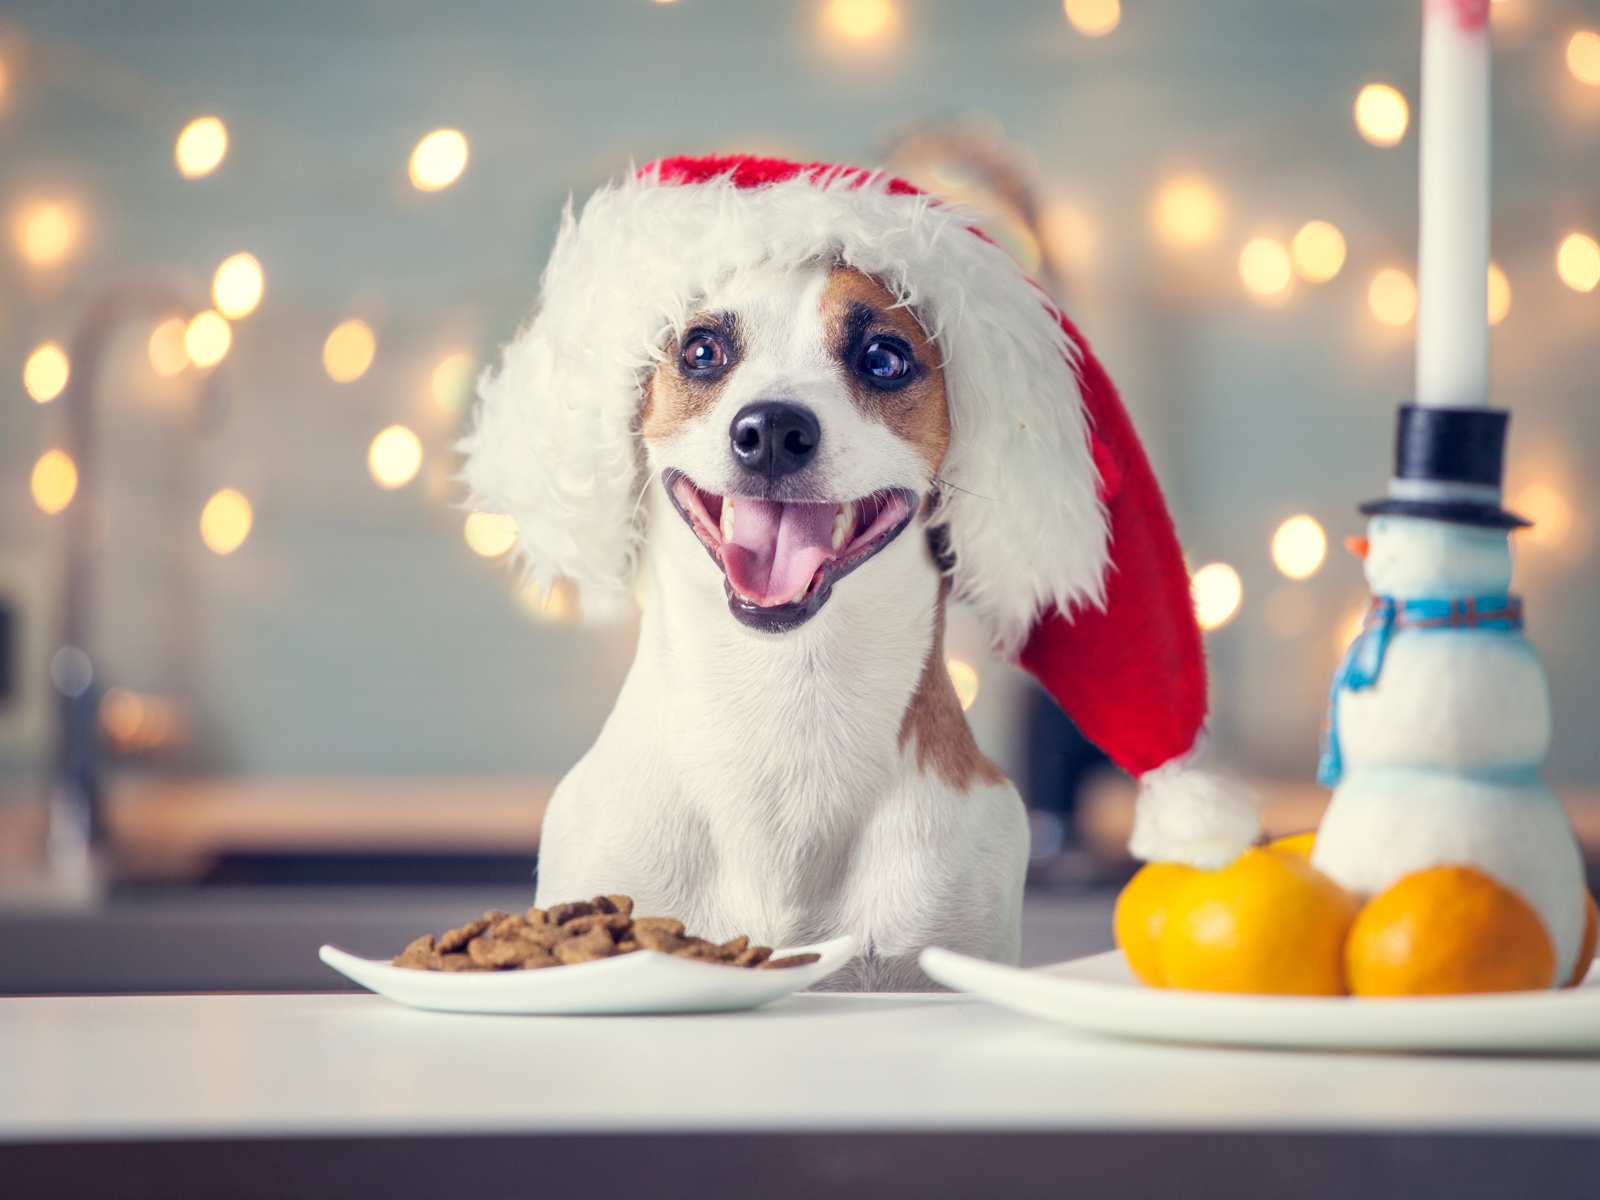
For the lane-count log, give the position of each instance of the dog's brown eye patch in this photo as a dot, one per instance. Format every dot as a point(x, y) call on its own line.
point(890, 364)
point(696, 368)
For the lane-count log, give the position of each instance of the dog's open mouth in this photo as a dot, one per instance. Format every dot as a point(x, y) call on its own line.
point(780, 559)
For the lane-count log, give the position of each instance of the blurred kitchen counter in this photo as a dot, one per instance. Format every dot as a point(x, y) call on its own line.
point(167, 829)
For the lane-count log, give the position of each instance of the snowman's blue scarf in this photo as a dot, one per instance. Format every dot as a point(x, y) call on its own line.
point(1364, 659)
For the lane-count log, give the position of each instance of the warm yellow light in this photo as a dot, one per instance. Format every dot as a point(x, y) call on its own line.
point(1216, 592)
point(54, 482)
point(491, 534)
point(45, 373)
point(1094, 18)
point(1583, 56)
point(1549, 511)
point(168, 354)
point(46, 234)
point(1578, 262)
point(1499, 295)
point(1392, 297)
point(558, 606)
point(1381, 114)
point(225, 522)
point(1299, 546)
point(201, 146)
point(439, 159)
point(1264, 266)
point(394, 457)
point(452, 381)
point(1188, 212)
point(1318, 251)
point(965, 679)
point(348, 351)
point(237, 286)
point(860, 20)
point(207, 338)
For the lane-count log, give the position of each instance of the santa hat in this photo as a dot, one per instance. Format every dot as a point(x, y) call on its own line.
point(1052, 520)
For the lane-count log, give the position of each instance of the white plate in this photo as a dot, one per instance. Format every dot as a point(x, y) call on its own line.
point(642, 982)
point(1100, 994)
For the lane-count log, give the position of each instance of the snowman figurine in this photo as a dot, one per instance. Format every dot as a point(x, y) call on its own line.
point(1439, 713)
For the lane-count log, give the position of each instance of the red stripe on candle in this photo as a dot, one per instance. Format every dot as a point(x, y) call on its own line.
point(1470, 15)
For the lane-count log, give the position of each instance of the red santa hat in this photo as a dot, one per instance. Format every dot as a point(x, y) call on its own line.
point(1054, 524)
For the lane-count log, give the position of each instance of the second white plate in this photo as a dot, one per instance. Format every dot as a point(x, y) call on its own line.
point(642, 982)
point(1099, 994)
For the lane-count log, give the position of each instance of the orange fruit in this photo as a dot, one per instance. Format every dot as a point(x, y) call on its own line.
point(1445, 931)
point(1296, 843)
point(1268, 922)
point(1591, 934)
point(1141, 914)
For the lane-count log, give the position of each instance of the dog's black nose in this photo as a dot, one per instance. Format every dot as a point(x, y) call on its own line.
point(774, 439)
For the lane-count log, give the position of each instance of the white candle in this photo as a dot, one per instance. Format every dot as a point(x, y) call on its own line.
point(1453, 250)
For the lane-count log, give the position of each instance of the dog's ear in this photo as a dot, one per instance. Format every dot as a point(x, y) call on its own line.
point(555, 442)
point(1020, 512)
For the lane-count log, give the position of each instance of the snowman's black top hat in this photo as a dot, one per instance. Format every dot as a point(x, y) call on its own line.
point(1447, 464)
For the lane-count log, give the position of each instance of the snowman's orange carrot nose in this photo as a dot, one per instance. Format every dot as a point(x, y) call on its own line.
point(1356, 545)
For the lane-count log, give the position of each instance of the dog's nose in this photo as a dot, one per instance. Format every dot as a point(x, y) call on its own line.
point(774, 439)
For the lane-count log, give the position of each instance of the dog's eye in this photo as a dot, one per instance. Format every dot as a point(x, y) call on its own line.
point(883, 362)
point(703, 353)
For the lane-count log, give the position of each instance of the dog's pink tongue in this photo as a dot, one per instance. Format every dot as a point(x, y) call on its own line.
point(776, 548)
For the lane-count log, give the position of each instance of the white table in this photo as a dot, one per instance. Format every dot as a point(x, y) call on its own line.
point(817, 1095)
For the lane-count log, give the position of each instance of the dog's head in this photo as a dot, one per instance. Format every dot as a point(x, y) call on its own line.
point(810, 368)
point(797, 422)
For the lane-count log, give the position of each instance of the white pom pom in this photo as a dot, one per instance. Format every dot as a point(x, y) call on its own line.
point(1189, 816)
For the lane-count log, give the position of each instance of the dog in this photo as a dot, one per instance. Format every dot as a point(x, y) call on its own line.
point(811, 407)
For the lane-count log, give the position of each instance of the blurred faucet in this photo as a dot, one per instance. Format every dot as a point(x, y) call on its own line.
point(76, 839)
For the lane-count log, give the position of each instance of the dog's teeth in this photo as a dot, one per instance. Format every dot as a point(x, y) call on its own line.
point(844, 523)
point(727, 518)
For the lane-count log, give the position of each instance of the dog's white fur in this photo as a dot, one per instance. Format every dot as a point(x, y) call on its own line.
point(751, 782)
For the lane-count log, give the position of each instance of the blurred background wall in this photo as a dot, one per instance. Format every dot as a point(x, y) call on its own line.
point(1170, 153)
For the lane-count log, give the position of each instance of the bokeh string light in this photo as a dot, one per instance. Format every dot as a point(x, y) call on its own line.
point(438, 160)
point(964, 678)
point(1188, 212)
point(490, 534)
point(225, 521)
point(201, 147)
point(1094, 18)
point(168, 354)
point(237, 286)
point(1499, 295)
point(349, 351)
point(860, 21)
point(207, 339)
point(1392, 297)
point(1583, 56)
point(1578, 262)
point(54, 481)
point(45, 374)
point(1318, 250)
point(46, 233)
point(1299, 547)
point(1217, 594)
point(451, 382)
point(1382, 114)
point(1265, 268)
point(394, 457)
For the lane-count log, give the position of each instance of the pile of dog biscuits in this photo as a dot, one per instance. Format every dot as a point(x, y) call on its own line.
point(582, 931)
